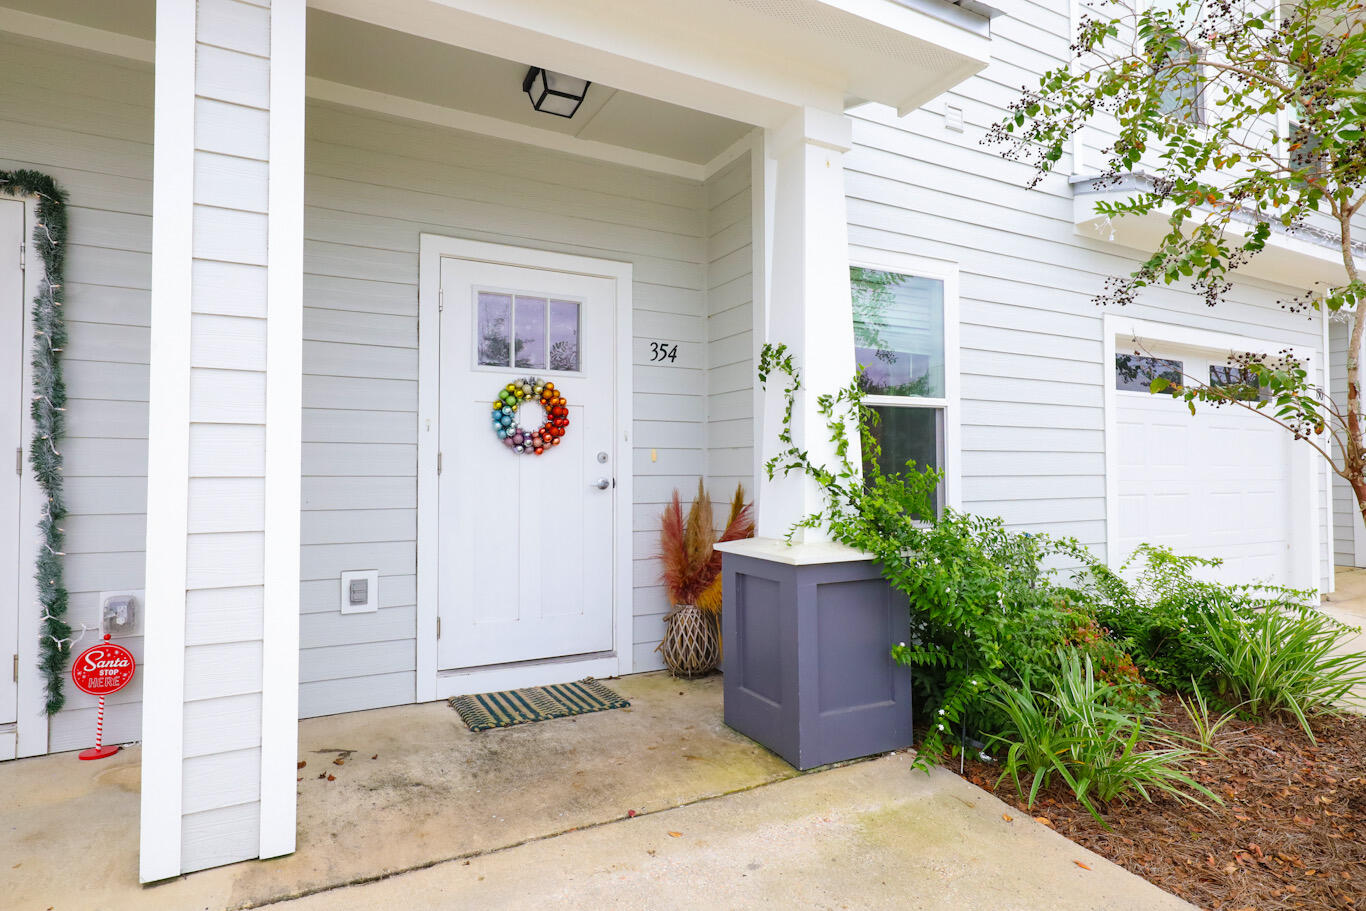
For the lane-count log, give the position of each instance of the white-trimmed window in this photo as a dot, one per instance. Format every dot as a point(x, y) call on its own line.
point(906, 348)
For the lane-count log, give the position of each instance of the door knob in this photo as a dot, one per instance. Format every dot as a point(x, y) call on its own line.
point(602, 483)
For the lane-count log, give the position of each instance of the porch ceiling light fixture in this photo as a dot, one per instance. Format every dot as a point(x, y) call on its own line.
point(554, 93)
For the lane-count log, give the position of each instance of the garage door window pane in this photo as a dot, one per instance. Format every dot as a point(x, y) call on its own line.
point(910, 435)
point(898, 333)
point(1135, 372)
point(1238, 383)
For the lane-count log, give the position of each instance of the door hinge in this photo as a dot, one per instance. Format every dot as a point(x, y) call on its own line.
point(16, 668)
point(440, 299)
point(438, 463)
point(438, 635)
point(19, 461)
point(23, 255)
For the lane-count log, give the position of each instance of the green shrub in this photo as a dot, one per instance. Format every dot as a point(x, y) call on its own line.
point(984, 601)
point(1280, 658)
point(1076, 728)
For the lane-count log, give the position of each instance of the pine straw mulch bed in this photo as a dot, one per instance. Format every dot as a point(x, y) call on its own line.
point(1291, 832)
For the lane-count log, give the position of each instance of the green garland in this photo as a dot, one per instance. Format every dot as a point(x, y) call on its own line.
point(48, 410)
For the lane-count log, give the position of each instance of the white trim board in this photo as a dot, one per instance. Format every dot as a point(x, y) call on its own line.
point(1304, 476)
point(1330, 547)
point(168, 444)
point(433, 248)
point(284, 428)
point(31, 732)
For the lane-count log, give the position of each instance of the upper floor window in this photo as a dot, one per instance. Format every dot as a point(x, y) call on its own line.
point(1183, 95)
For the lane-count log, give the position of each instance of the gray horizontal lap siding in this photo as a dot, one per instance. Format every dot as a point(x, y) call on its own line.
point(374, 185)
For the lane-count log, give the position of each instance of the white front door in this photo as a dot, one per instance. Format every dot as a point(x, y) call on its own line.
point(525, 540)
point(1218, 484)
point(12, 307)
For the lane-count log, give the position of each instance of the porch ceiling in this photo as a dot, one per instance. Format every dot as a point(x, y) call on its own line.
point(748, 60)
point(349, 52)
point(677, 82)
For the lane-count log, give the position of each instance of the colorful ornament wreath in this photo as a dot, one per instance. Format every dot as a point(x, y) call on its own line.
point(514, 435)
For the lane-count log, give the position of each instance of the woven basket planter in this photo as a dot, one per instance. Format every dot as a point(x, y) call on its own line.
point(691, 646)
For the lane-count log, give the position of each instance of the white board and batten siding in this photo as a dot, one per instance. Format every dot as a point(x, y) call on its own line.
point(374, 185)
point(1033, 420)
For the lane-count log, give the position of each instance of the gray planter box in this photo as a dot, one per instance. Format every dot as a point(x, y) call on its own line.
point(808, 669)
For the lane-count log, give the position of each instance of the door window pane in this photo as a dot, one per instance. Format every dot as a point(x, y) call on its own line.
point(495, 328)
point(898, 333)
point(564, 335)
point(1135, 372)
point(909, 435)
point(530, 323)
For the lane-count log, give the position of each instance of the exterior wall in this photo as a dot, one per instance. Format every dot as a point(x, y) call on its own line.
point(87, 120)
point(730, 334)
point(374, 184)
point(1031, 341)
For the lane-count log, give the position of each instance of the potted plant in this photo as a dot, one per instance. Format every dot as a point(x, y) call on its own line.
point(692, 579)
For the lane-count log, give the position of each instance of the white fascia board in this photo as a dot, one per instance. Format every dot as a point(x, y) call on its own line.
point(1287, 259)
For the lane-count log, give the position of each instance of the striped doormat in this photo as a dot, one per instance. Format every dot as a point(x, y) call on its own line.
point(482, 711)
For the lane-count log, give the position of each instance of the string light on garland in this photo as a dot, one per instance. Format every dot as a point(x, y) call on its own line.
point(48, 410)
point(516, 437)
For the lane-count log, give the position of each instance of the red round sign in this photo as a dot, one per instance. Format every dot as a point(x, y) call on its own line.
point(102, 669)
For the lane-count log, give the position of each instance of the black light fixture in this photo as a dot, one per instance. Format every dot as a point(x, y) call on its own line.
point(554, 93)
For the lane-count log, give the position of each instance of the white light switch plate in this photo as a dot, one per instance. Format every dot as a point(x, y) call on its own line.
point(371, 579)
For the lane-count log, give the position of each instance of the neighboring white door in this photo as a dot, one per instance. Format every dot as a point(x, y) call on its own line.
point(1219, 484)
point(11, 427)
point(525, 542)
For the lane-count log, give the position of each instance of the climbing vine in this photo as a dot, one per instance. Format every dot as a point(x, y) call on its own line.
point(48, 411)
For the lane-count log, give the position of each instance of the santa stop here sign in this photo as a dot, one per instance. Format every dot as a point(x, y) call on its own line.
point(102, 669)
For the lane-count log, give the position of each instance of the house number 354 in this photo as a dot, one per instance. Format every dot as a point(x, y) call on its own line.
point(663, 351)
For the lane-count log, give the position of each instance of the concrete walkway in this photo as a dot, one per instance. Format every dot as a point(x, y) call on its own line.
point(541, 813)
point(1348, 605)
point(870, 835)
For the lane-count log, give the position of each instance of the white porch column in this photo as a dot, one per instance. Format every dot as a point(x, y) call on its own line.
point(220, 704)
point(808, 301)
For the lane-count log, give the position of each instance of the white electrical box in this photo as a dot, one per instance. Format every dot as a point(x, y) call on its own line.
point(121, 613)
point(360, 591)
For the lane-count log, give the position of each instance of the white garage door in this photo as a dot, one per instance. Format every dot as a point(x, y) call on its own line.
point(1218, 484)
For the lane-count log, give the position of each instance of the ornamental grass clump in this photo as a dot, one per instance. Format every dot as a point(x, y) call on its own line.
point(1264, 647)
point(1071, 726)
point(1281, 659)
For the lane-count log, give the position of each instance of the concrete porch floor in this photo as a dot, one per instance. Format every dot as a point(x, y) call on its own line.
point(539, 812)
